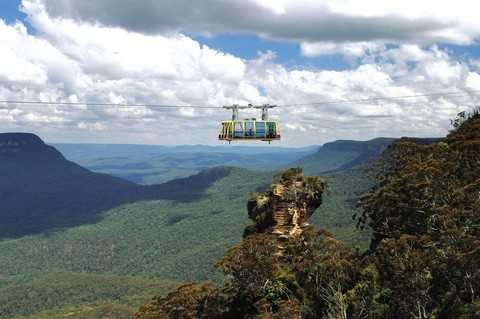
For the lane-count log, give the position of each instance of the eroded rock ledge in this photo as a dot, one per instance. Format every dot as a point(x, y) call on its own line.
point(284, 210)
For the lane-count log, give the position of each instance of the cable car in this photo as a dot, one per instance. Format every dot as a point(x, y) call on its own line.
point(249, 129)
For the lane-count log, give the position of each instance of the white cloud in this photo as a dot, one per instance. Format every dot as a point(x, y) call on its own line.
point(277, 6)
point(317, 24)
point(95, 126)
point(473, 81)
point(355, 49)
point(69, 60)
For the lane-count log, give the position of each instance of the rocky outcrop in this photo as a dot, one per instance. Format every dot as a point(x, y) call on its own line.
point(284, 210)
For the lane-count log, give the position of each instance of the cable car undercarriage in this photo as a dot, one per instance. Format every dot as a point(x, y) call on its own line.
point(249, 129)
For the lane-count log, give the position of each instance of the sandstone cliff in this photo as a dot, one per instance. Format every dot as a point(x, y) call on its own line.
point(285, 208)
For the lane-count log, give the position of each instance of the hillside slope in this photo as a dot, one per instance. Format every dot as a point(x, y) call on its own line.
point(167, 238)
point(170, 238)
point(341, 155)
point(40, 191)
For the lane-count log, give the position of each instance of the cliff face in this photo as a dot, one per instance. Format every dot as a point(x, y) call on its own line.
point(284, 210)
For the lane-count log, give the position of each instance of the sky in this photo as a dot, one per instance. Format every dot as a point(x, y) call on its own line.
point(292, 53)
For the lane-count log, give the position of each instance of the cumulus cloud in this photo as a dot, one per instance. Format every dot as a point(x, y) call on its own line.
point(316, 23)
point(75, 60)
point(347, 49)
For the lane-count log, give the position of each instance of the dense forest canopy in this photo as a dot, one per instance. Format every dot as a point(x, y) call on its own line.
point(424, 212)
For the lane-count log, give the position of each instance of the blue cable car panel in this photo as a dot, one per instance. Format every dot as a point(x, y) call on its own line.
point(249, 129)
point(238, 130)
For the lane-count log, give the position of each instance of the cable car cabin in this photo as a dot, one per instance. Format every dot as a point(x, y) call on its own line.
point(249, 129)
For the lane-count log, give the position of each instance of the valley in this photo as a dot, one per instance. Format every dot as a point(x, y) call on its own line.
point(172, 232)
point(154, 164)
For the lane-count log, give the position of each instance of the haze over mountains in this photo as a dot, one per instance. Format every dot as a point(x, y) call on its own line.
point(72, 223)
point(153, 164)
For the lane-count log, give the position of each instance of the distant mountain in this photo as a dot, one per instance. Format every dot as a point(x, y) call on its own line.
point(343, 154)
point(346, 154)
point(27, 165)
point(41, 191)
point(153, 164)
point(88, 151)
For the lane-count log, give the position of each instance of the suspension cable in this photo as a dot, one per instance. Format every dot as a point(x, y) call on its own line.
point(373, 99)
point(162, 106)
point(41, 103)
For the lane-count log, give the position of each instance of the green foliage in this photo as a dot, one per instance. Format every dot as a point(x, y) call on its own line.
point(424, 214)
point(340, 205)
point(262, 278)
point(99, 310)
point(324, 268)
point(162, 239)
point(166, 239)
point(250, 264)
point(23, 295)
point(367, 296)
point(201, 301)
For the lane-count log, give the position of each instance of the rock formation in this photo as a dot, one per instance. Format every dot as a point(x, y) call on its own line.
point(284, 210)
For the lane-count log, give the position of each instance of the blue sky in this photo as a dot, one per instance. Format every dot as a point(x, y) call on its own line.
point(151, 52)
point(247, 46)
point(9, 11)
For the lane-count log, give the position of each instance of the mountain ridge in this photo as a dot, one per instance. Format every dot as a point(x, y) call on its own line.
point(347, 154)
point(41, 191)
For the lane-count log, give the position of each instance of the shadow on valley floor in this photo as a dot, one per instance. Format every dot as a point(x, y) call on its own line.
point(82, 198)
